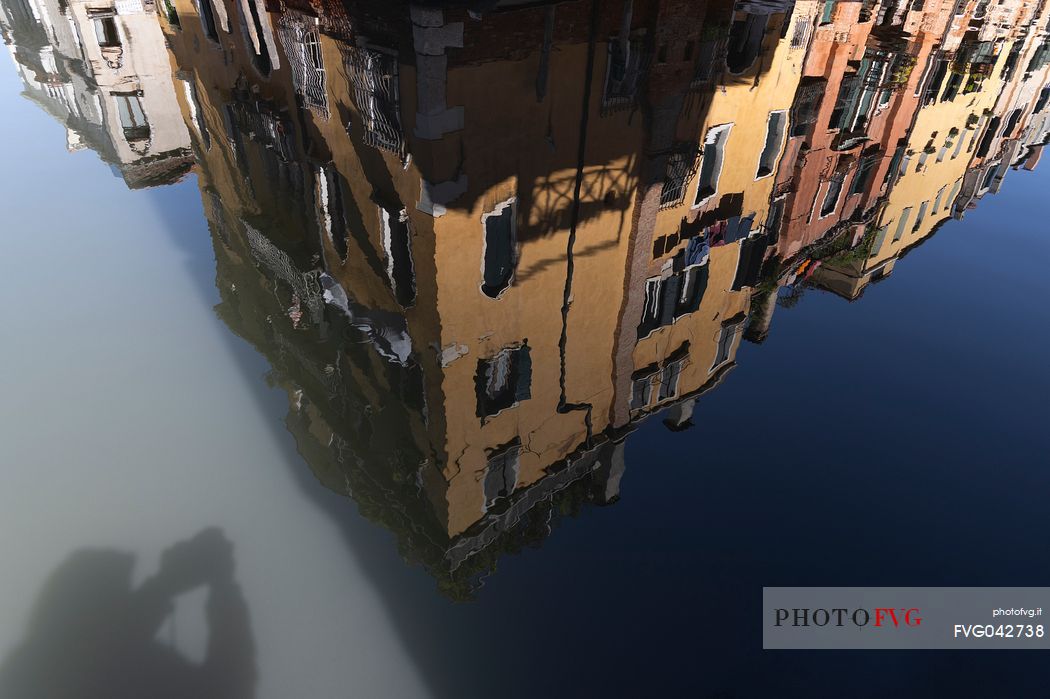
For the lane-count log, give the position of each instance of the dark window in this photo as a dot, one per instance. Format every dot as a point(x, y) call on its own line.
point(921, 215)
point(503, 380)
point(745, 42)
point(864, 170)
point(708, 58)
point(261, 59)
point(725, 344)
point(501, 474)
point(1044, 98)
point(680, 168)
point(106, 31)
point(206, 12)
point(849, 95)
point(652, 310)
point(397, 244)
point(933, 87)
point(711, 163)
point(330, 205)
point(691, 289)
point(500, 246)
point(902, 224)
point(831, 198)
point(669, 379)
point(774, 137)
point(641, 392)
point(752, 257)
point(625, 67)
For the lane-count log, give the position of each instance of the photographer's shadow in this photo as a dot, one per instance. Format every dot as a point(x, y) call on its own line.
point(91, 635)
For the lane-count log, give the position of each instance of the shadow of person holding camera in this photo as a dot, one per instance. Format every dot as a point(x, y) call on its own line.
point(92, 635)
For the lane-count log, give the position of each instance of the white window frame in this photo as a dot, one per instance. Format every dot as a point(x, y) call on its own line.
point(780, 146)
point(715, 132)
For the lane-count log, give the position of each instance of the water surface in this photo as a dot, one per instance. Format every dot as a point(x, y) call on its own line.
point(385, 351)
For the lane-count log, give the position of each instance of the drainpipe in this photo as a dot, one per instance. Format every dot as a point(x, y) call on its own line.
point(563, 405)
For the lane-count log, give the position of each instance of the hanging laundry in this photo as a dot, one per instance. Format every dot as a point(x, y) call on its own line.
point(716, 234)
point(697, 252)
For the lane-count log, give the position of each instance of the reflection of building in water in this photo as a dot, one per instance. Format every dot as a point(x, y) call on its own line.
point(851, 114)
point(473, 278)
point(1018, 125)
point(478, 247)
point(101, 68)
point(488, 288)
point(953, 129)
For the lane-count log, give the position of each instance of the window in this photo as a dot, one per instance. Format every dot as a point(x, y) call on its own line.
point(501, 474)
point(679, 167)
point(669, 298)
point(257, 38)
point(902, 224)
point(1011, 121)
point(921, 215)
point(921, 85)
point(864, 170)
point(302, 45)
point(106, 31)
point(1044, 99)
point(204, 9)
point(397, 244)
point(933, 85)
point(850, 91)
point(828, 12)
point(800, 35)
point(374, 76)
point(708, 57)
point(504, 380)
point(711, 163)
point(880, 238)
point(745, 41)
point(691, 290)
point(330, 209)
point(831, 197)
point(500, 242)
point(196, 112)
point(952, 89)
point(955, 192)
point(937, 200)
point(669, 379)
point(172, 14)
point(132, 116)
point(624, 68)
point(725, 344)
point(976, 132)
point(641, 392)
point(905, 162)
point(989, 178)
point(775, 129)
point(894, 171)
point(653, 308)
point(989, 136)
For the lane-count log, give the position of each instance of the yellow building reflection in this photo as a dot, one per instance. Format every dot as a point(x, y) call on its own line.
point(480, 245)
